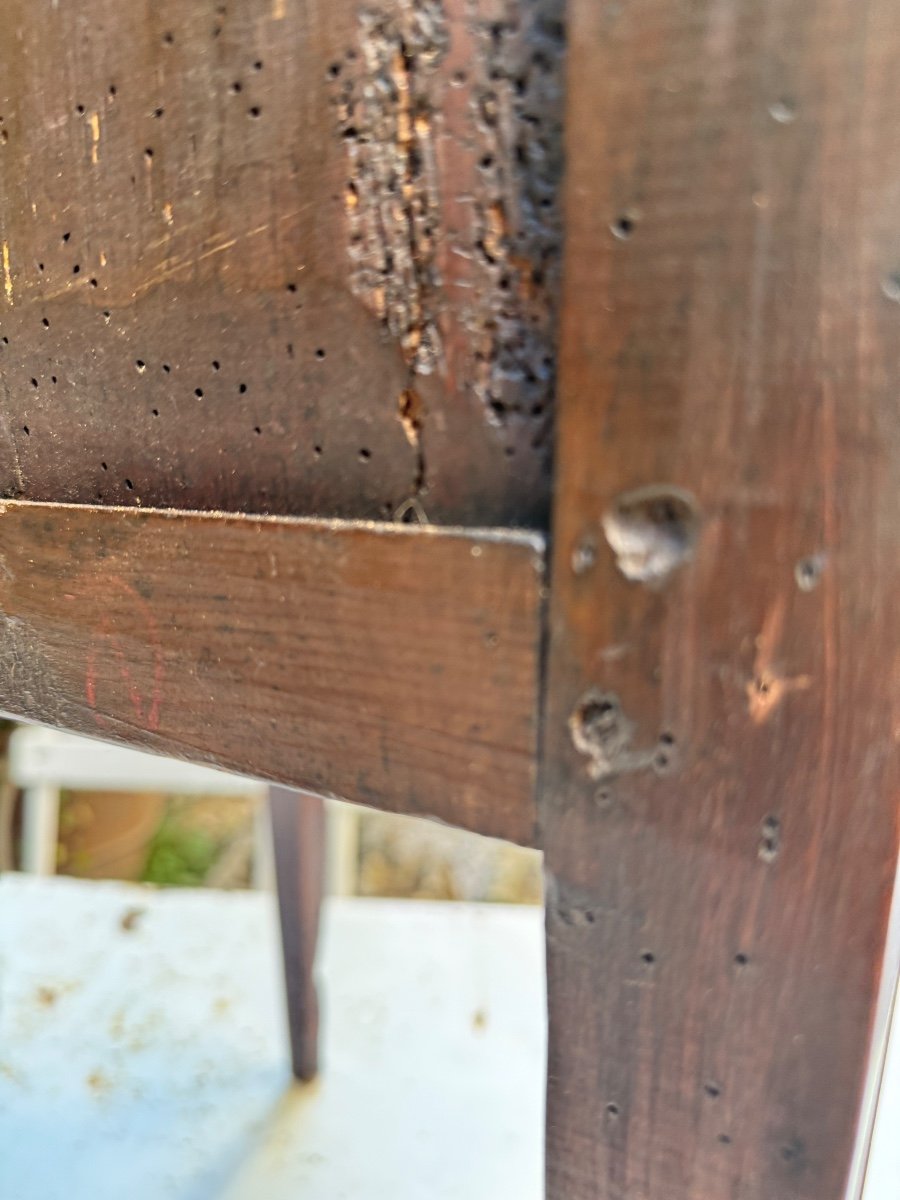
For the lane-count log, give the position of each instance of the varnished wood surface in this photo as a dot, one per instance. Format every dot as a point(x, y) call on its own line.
point(280, 256)
point(387, 665)
point(720, 804)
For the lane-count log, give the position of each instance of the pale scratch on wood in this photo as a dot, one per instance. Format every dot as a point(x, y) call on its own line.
point(17, 465)
point(767, 689)
point(7, 274)
point(177, 267)
point(95, 137)
point(765, 692)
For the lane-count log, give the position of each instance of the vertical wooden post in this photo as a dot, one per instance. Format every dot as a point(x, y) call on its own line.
point(719, 809)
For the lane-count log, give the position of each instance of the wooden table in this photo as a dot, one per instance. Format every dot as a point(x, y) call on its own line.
point(286, 353)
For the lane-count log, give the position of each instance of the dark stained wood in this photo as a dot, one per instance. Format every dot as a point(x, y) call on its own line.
point(388, 665)
point(280, 256)
point(287, 257)
point(719, 801)
point(298, 828)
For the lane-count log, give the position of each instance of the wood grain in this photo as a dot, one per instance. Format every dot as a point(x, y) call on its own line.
point(388, 665)
point(242, 242)
point(719, 802)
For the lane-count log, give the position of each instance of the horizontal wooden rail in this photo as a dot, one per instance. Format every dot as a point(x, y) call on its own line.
point(389, 665)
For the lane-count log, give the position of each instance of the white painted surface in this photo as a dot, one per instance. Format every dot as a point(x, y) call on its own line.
point(40, 828)
point(45, 756)
point(882, 1179)
point(151, 1063)
point(876, 1155)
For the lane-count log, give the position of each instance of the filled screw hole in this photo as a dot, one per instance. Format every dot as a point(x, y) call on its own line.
point(783, 111)
point(652, 531)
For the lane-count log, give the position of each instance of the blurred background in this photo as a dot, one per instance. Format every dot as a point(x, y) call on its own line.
point(143, 1029)
point(155, 833)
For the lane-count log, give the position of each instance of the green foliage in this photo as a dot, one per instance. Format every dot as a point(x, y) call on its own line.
point(179, 857)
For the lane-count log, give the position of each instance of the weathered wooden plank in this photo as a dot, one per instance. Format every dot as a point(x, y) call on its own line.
point(281, 256)
point(388, 665)
point(719, 807)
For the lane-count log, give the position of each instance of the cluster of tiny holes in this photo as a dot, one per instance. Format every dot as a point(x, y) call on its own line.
point(662, 759)
point(141, 367)
point(711, 1088)
point(254, 110)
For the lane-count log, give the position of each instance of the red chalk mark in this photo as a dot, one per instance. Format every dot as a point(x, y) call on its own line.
point(109, 645)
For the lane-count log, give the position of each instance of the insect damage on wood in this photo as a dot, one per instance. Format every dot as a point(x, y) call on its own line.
point(410, 411)
point(386, 115)
point(770, 839)
point(517, 101)
point(390, 104)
